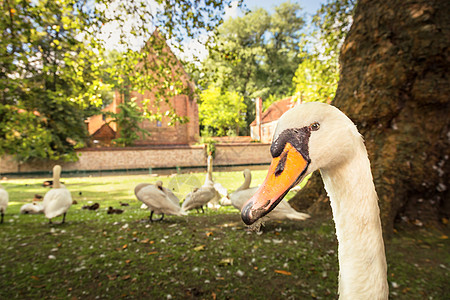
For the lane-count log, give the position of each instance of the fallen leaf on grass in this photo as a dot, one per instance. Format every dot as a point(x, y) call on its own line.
point(34, 277)
point(209, 233)
point(153, 252)
point(226, 262)
point(112, 277)
point(200, 248)
point(443, 237)
point(283, 272)
point(125, 246)
point(145, 241)
point(128, 261)
point(126, 277)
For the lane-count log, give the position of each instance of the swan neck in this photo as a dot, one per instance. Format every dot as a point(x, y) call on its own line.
point(354, 202)
point(247, 180)
point(56, 177)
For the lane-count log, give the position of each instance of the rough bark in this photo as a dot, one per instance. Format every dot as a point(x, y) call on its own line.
point(395, 86)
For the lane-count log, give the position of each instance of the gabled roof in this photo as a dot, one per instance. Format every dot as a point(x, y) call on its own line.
point(104, 132)
point(275, 110)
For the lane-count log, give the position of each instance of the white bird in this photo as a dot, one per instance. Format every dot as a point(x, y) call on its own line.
point(315, 136)
point(207, 194)
point(32, 208)
point(158, 199)
point(4, 198)
point(283, 211)
point(58, 200)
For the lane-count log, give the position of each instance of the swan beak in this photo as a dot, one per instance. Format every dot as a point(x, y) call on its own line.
point(284, 172)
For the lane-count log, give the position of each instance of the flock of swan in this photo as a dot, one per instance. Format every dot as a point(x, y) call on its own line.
point(308, 137)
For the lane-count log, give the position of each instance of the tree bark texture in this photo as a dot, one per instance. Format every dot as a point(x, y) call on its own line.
point(394, 84)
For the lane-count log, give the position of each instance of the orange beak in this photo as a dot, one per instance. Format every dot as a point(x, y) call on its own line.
point(285, 171)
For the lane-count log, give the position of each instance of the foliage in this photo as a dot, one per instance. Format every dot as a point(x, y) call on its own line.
point(52, 62)
point(222, 113)
point(128, 119)
point(317, 76)
point(255, 55)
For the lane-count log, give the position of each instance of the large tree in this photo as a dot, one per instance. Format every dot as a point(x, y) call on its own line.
point(394, 84)
point(51, 64)
point(256, 55)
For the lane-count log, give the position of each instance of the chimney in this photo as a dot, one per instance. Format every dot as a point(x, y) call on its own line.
point(258, 105)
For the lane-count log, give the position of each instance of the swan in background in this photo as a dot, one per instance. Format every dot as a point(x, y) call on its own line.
point(158, 199)
point(32, 208)
point(58, 200)
point(283, 211)
point(208, 194)
point(318, 136)
point(4, 198)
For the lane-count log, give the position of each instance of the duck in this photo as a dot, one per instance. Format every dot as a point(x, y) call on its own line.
point(58, 199)
point(158, 199)
point(283, 211)
point(112, 211)
point(4, 198)
point(317, 136)
point(32, 208)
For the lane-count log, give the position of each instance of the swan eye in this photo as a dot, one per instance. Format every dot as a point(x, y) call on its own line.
point(314, 126)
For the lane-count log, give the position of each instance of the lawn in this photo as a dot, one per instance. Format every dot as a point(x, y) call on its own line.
point(206, 256)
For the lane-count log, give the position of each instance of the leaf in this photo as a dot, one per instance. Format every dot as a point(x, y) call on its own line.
point(226, 262)
point(126, 277)
point(209, 233)
point(125, 246)
point(153, 252)
point(145, 241)
point(34, 277)
point(200, 248)
point(283, 272)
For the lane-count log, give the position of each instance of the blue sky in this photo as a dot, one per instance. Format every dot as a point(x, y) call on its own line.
point(308, 6)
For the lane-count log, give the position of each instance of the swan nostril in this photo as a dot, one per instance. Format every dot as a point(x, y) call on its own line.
point(278, 170)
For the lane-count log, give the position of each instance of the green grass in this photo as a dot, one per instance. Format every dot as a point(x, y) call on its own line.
point(205, 256)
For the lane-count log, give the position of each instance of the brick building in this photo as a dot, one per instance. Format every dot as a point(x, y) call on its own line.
point(170, 89)
point(263, 127)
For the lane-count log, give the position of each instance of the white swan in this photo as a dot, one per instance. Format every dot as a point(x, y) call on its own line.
point(4, 198)
point(32, 208)
point(207, 194)
point(314, 136)
point(283, 211)
point(58, 200)
point(158, 199)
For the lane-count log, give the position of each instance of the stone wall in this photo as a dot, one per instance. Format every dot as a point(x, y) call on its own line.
point(119, 159)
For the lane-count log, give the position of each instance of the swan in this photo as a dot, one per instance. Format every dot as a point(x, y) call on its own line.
point(4, 198)
point(58, 200)
point(32, 208)
point(207, 194)
point(158, 199)
point(317, 136)
point(283, 211)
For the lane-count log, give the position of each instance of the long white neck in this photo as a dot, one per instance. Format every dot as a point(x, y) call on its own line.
point(209, 177)
point(56, 176)
point(247, 181)
point(362, 260)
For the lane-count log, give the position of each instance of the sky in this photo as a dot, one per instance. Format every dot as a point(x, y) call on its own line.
point(194, 47)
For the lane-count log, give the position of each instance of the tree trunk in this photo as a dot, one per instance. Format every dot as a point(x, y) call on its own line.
point(395, 86)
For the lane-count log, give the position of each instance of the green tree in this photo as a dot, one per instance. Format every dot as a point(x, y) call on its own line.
point(317, 76)
point(52, 67)
point(221, 113)
point(256, 55)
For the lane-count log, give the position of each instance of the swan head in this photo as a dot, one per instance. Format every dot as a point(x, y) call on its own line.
point(308, 137)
